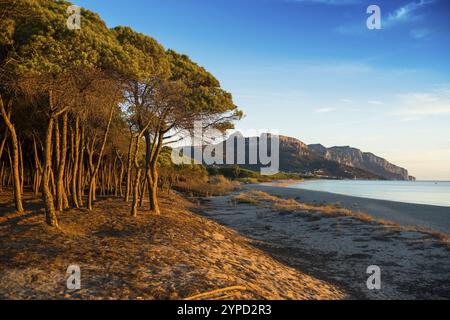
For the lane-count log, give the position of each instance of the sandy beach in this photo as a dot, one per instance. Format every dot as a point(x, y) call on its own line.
point(435, 217)
point(415, 264)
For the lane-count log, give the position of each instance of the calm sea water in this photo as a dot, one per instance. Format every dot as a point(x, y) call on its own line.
point(421, 192)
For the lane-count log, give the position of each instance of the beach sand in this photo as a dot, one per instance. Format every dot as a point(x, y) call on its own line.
point(339, 249)
point(176, 255)
point(435, 217)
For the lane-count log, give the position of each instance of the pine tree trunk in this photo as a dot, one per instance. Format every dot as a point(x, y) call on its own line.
point(130, 163)
point(134, 205)
point(21, 166)
point(50, 214)
point(62, 163)
point(80, 182)
point(153, 181)
point(15, 164)
point(75, 202)
point(2, 147)
point(92, 185)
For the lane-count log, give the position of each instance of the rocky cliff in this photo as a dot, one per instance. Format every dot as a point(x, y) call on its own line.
point(366, 161)
point(336, 162)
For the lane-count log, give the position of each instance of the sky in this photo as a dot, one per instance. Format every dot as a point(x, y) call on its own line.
point(311, 69)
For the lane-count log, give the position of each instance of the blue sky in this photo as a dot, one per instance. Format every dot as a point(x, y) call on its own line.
point(312, 70)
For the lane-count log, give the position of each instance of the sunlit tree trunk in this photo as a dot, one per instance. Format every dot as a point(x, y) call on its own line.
point(134, 205)
point(38, 168)
point(80, 180)
point(62, 163)
point(50, 214)
point(15, 164)
point(154, 177)
point(129, 165)
point(92, 185)
point(21, 167)
point(76, 140)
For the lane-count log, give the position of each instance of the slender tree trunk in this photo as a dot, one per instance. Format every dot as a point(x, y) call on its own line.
point(2, 144)
point(50, 214)
point(80, 182)
point(99, 161)
point(2, 147)
point(121, 178)
point(62, 163)
point(144, 191)
point(38, 168)
point(15, 145)
point(153, 181)
point(57, 144)
point(115, 178)
point(2, 172)
point(130, 163)
point(134, 205)
point(8, 182)
point(21, 166)
point(75, 202)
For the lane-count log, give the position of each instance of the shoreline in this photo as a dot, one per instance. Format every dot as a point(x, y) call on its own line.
point(289, 183)
point(407, 214)
point(337, 248)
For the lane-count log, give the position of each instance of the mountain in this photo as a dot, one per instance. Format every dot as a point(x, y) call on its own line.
point(297, 157)
point(335, 162)
point(366, 161)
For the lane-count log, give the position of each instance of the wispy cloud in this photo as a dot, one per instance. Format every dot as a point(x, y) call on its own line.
point(338, 68)
point(413, 106)
point(325, 110)
point(405, 13)
point(330, 2)
point(420, 33)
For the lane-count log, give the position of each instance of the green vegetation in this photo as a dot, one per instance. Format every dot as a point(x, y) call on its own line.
point(249, 176)
point(88, 112)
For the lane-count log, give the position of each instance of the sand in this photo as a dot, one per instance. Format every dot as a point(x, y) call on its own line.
point(339, 249)
point(176, 255)
point(435, 217)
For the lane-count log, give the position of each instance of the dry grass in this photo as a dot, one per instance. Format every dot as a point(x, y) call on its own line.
point(215, 186)
point(264, 199)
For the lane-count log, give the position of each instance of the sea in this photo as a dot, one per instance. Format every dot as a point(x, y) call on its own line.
point(419, 192)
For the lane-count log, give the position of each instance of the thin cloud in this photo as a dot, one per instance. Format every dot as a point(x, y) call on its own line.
point(405, 13)
point(325, 110)
point(343, 68)
point(416, 105)
point(330, 2)
point(420, 33)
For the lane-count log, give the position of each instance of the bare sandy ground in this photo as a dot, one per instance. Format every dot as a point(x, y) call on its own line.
point(176, 255)
point(338, 249)
point(435, 217)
